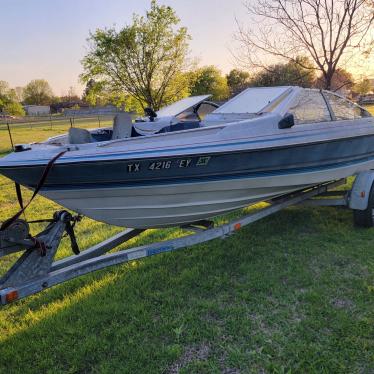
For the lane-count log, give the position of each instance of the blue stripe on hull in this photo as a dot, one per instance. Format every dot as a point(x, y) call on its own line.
point(211, 178)
point(251, 163)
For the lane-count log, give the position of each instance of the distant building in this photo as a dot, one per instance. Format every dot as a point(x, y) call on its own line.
point(37, 110)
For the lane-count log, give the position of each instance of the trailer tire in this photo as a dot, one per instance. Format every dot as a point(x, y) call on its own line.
point(364, 218)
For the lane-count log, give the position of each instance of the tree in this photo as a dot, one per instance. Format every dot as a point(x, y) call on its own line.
point(38, 92)
point(14, 109)
point(144, 59)
point(209, 80)
point(363, 87)
point(4, 88)
point(90, 92)
point(9, 101)
point(288, 74)
point(238, 80)
point(97, 93)
point(19, 93)
point(342, 80)
point(69, 97)
point(12, 95)
point(329, 32)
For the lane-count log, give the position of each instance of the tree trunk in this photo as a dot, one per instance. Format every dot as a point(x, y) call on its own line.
point(328, 76)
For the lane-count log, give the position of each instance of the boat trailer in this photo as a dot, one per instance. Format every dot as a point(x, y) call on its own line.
point(35, 270)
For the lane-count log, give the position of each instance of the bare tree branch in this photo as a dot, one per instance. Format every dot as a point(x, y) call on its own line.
point(329, 32)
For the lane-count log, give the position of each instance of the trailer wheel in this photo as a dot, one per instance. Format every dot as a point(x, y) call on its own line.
point(364, 218)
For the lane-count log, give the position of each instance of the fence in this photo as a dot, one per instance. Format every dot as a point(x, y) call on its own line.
point(33, 129)
point(92, 111)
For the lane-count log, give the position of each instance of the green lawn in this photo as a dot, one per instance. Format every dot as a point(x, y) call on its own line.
point(293, 293)
point(370, 108)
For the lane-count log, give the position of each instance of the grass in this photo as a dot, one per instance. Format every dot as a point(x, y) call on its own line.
point(370, 108)
point(293, 293)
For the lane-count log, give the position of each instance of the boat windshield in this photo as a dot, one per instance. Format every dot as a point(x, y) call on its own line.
point(181, 105)
point(252, 100)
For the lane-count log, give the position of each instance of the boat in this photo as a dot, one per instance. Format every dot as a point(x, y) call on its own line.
point(179, 165)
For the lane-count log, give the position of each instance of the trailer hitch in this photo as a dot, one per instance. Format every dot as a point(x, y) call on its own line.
point(16, 237)
point(33, 263)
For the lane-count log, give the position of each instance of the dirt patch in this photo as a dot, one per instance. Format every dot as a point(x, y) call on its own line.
point(224, 369)
point(343, 303)
point(190, 354)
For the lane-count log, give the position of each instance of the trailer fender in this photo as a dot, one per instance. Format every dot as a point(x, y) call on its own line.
point(360, 193)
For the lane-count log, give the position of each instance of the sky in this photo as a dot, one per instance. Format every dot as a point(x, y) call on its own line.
point(47, 38)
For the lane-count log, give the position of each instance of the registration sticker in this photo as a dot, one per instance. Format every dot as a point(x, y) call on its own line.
point(203, 161)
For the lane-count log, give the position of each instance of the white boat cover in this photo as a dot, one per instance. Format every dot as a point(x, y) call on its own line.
point(252, 100)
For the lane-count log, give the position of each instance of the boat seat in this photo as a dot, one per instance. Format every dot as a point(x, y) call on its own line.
point(122, 126)
point(79, 136)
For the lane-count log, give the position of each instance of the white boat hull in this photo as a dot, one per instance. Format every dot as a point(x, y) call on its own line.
point(177, 204)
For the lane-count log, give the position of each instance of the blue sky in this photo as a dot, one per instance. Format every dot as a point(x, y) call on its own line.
point(47, 39)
